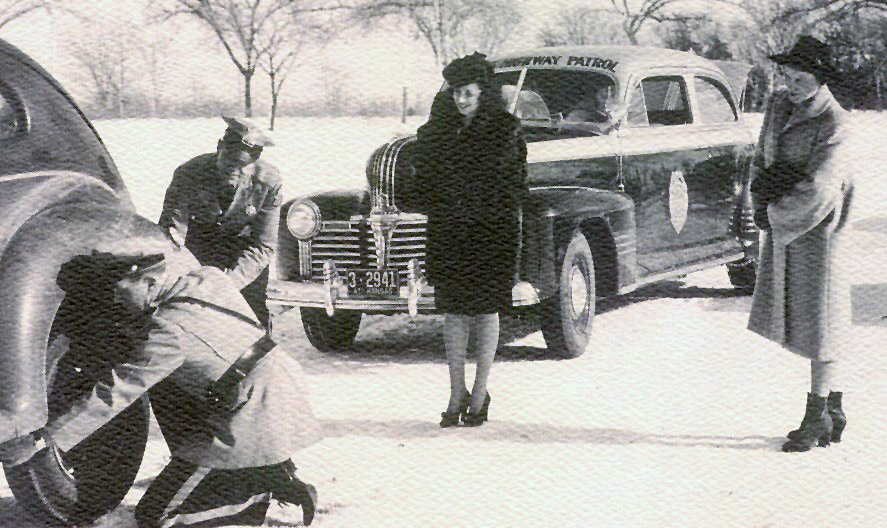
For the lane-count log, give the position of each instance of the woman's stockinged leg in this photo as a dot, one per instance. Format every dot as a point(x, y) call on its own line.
point(486, 335)
point(456, 343)
point(823, 377)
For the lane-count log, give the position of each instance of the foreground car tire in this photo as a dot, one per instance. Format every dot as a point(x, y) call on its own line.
point(81, 485)
point(567, 316)
point(329, 334)
point(77, 487)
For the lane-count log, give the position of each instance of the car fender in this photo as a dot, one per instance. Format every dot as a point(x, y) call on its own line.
point(29, 267)
point(551, 216)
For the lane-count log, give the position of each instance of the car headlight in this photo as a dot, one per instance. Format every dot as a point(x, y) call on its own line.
point(303, 220)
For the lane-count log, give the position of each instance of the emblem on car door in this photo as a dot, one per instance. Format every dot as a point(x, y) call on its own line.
point(678, 201)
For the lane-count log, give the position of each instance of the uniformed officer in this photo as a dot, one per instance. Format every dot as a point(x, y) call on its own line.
point(225, 207)
point(231, 405)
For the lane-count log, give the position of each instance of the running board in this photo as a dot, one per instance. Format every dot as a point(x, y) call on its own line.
point(649, 279)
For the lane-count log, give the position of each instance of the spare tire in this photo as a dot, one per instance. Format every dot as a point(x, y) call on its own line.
point(81, 485)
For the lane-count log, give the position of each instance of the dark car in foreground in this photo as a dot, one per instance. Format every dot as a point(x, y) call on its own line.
point(61, 196)
point(657, 192)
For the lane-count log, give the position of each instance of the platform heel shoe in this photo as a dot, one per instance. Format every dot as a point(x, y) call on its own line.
point(839, 421)
point(818, 430)
point(793, 435)
point(471, 419)
point(451, 419)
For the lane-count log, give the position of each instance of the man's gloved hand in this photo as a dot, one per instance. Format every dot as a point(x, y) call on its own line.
point(19, 450)
point(761, 218)
point(775, 181)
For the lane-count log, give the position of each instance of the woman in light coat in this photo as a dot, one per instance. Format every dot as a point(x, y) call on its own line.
point(802, 197)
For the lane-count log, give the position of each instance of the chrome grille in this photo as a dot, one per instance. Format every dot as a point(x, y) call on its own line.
point(350, 244)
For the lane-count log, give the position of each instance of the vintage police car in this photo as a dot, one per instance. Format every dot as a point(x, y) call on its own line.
point(658, 192)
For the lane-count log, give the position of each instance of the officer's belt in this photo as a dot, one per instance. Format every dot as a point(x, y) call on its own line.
point(245, 363)
point(240, 369)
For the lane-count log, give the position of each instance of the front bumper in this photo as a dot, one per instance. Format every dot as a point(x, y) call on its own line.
point(415, 297)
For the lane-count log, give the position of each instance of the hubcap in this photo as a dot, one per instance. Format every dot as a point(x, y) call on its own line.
point(578, 290)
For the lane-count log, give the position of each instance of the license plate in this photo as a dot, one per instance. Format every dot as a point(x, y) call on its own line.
point(373, 282)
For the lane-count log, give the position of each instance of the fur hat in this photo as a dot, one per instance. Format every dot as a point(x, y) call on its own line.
point(474, 68)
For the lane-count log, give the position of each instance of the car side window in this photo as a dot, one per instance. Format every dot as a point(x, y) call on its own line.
point(714, 101)
point(666, 101)
point(9, 117)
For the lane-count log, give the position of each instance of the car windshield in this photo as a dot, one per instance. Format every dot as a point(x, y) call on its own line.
point(559, 102)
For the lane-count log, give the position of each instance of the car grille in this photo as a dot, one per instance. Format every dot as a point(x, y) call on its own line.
point(350, 244)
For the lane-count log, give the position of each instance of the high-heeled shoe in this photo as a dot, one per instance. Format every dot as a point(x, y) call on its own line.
point(478, 418)
point(839, 420)
point(818, 430)
point(451, 419)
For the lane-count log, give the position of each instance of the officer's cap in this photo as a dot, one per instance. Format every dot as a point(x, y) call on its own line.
point(85, 270)
point(250, 133)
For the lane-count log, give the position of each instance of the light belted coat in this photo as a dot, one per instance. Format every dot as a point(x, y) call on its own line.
point(200, 326)
point(802, 294)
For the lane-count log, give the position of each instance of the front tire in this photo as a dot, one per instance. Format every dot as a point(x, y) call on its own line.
point(567, 316)
point(330, 334)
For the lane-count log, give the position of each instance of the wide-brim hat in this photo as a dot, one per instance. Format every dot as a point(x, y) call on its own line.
point(251, 133)
point(474, 68)
point(809, 55)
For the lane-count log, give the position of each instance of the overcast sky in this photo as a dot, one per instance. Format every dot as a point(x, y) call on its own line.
point(369, 64)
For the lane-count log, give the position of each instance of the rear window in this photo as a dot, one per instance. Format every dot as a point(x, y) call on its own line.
point(714, 101)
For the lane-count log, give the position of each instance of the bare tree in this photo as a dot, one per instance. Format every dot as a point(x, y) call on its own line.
point(104, 53)
point(289, 33)
point(240, 27)
point(814, 11)
point(634, 19)
point(14, 9)
point(584, 25)
point(591, 25)
point(450, 27)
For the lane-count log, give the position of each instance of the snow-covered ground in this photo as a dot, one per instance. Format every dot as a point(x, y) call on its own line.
point(673, 417)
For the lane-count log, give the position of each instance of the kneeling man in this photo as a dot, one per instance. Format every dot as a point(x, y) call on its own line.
point(231, 405)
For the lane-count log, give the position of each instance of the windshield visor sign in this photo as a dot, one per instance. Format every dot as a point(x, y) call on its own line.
point(553, 60)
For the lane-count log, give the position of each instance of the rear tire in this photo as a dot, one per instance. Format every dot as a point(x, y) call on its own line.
point(330, 334)
point(568, 315)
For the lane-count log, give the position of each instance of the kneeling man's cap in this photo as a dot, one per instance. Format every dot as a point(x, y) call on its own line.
point(251, 134)
point(808, 55)
point(83, 270)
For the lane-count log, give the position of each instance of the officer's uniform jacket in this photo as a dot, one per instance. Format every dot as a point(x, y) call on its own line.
point(238, 239)
point(200, 327)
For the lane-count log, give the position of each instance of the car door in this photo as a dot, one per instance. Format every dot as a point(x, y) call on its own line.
point(668, 159)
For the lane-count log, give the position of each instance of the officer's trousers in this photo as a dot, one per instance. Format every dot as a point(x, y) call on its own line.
point(255, 294)
point(185, 494)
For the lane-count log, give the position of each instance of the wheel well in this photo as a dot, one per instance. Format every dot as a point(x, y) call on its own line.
point(603, 252)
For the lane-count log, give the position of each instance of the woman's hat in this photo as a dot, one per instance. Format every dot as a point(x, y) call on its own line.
point(469, 69)
point(808, 55)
